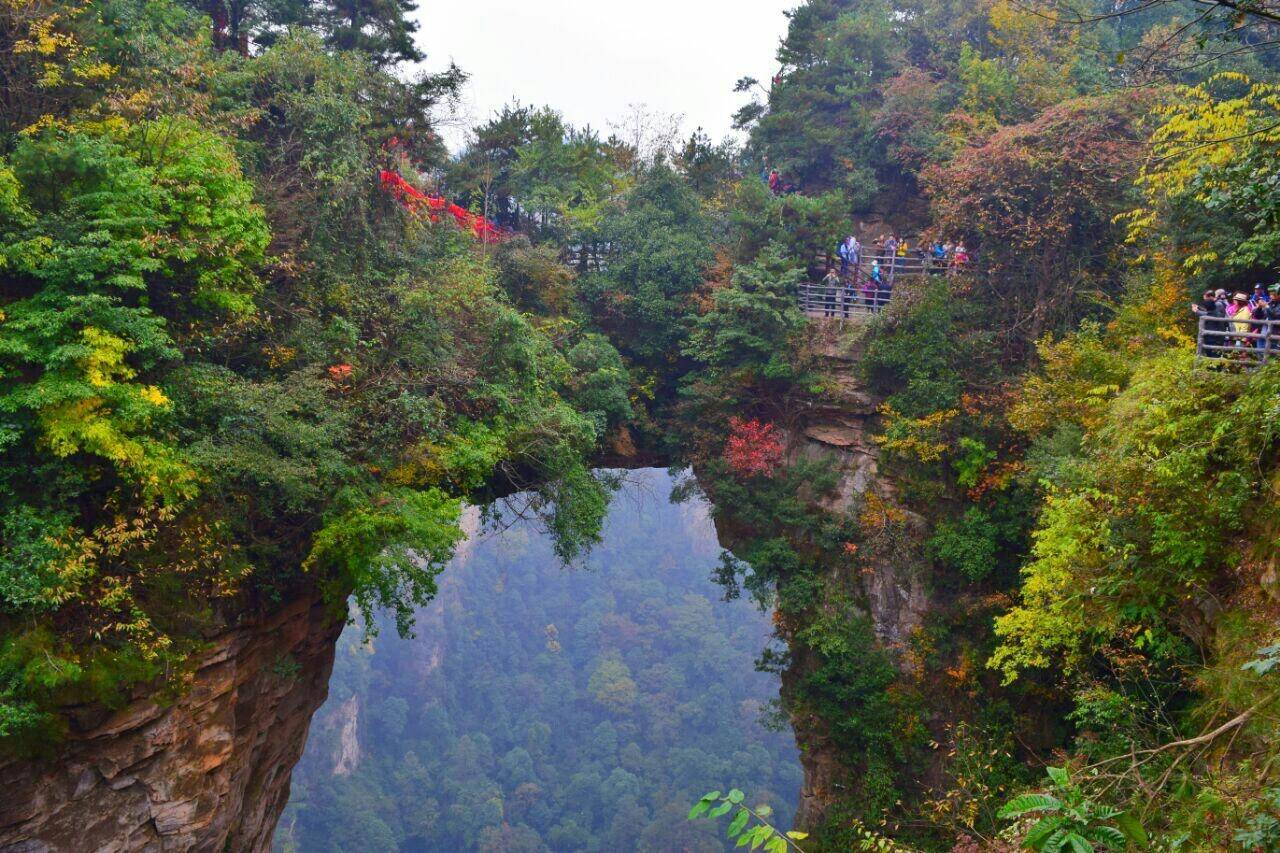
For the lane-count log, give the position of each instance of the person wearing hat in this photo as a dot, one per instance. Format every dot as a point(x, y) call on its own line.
point(1259, 295)
point(1240, 313)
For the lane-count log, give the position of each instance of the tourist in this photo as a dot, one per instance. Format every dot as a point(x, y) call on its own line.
point(1273, 314)
point(1241, 314)
point(1260, 313)
point(1209, 306)
point(848, 252)
point(1259, 296)
point(891, 255)
point(868, 289)
point(831, 291)
point(937, 257)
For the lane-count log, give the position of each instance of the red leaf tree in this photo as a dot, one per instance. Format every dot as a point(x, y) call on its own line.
point(753, 448)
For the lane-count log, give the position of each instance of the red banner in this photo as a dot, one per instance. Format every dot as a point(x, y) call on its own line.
point(415, 199)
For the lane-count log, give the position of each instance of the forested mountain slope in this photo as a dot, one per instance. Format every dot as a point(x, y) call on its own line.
point(546, 709)
point(238, 375)
point(1084, 502)
point(235, 376)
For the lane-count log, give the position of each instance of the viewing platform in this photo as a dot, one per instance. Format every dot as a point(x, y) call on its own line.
point(858, 295)
point(1247, 343)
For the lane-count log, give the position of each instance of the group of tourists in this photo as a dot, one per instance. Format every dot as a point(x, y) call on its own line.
point(885, 256)
point(1239, 324)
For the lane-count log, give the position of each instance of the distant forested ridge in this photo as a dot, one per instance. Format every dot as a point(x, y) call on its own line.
point(550, 709)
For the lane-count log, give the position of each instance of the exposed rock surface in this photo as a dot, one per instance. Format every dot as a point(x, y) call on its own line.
point(347, 719)
point(835, 430)
point(209, 772)
point(837, 433)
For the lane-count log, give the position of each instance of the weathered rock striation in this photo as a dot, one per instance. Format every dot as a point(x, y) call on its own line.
point(208, 772)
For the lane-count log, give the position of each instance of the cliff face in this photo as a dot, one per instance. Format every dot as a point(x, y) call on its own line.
point(209, 772)
point(834, 429)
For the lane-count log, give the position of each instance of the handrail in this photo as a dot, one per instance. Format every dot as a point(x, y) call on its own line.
point(1252, 343)
point(910, 264)
point(846, 300)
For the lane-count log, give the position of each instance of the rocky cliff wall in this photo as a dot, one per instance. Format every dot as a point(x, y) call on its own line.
point(837, 432)
point(834, 428)
point(208, 772)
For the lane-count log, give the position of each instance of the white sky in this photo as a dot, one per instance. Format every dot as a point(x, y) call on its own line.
point(591, 59)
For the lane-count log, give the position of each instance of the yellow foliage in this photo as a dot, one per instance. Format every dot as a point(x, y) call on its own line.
point(420, 465)
point(1073, 546)
point(1078, 378)
point(104, 365)
point(43, 34)
point(920, 439)
point(878, 514)
point(1204, 128)
point(1044, 53)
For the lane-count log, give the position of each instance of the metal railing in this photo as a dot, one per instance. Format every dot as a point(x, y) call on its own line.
point(843, 300)
point(1251, 343)
point(910, 264)
point(858, 294)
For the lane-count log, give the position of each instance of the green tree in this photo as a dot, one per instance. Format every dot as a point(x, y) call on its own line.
point(658, 250)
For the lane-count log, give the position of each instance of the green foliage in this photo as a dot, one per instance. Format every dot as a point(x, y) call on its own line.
point(101, 230)
point(658, 251)
point(1067, 820)
point(1268, 659)
point(748, 825)
point(1262, 832)
point(967, 545)
point(384, 31)
point(1169, 483)
point(603, 384)
point(803, 225)
point(751, 325)
point(916, 365)
point(817, 126)
point(847, 686)
point(388, 548)
point(184, 415)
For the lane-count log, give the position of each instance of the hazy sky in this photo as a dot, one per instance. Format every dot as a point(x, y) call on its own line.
point(590, 59)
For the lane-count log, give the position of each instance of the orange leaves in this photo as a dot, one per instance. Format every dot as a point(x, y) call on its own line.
point(878, 514)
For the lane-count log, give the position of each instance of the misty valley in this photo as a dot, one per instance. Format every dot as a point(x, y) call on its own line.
point(544, 707)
